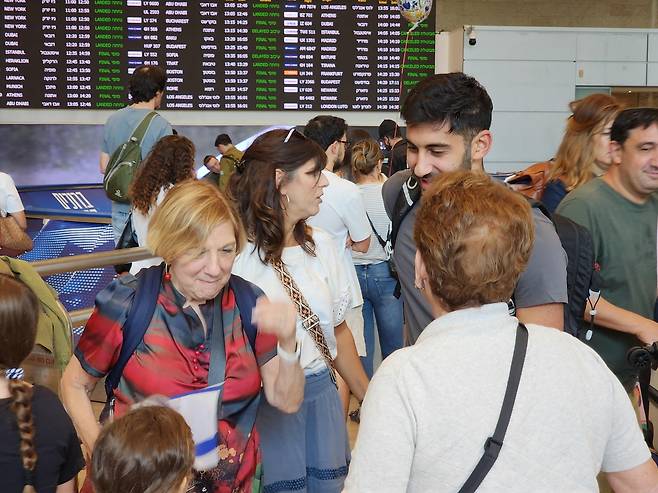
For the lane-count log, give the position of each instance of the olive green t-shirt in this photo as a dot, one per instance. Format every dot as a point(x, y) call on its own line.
point(227, 164)
point(624, 235)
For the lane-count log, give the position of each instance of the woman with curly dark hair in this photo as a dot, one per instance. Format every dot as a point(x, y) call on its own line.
point(170, 161)
point(39, 449)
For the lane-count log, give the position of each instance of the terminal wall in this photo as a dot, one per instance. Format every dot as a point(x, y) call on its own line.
point(564, 13)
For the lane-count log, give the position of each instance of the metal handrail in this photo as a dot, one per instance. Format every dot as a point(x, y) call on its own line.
point(80, 317)
point(90, 261)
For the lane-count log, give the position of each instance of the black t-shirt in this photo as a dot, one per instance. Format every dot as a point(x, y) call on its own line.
point(59, 458)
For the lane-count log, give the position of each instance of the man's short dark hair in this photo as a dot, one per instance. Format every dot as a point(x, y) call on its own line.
point(631, 119)
point(207, 159)
point(325, 130)
point(455, 99)
point(145, 82)
point(390, 129)
point(223, 140)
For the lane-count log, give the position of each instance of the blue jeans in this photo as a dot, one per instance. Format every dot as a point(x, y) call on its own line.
point(120, 214)
point(377, 287)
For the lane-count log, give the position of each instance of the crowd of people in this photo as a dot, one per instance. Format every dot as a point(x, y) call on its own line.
point(233, 356)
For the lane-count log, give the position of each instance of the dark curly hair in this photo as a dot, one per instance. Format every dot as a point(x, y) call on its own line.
point(325, 130)
point(258, 201)
point(455, 99)
point(170, 161)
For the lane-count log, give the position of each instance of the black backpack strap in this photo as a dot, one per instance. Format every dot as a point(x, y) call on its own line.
point(137, 322)
point(379, 238)
point(494, 443)
point(536, 204)
point(408, 196)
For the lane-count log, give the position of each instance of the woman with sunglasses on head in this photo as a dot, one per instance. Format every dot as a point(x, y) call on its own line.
point(278, 185)
point(39, 449)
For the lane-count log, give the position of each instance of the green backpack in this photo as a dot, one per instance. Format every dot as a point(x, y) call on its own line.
point(124, 163)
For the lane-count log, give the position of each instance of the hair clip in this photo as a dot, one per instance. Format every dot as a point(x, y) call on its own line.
point(289, 134)
point(14, 373)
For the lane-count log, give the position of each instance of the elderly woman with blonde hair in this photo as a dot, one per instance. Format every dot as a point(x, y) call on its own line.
point(543, 406)
point(198, 235)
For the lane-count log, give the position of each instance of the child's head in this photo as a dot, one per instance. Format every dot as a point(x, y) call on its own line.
point(19, 313)
point(148, 450)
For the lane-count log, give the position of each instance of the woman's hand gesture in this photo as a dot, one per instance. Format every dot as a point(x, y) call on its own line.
point(276, 318)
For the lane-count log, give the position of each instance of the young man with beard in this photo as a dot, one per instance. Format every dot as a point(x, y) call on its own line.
point(448, 118)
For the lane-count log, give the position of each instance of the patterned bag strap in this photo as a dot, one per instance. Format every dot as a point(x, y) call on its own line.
point(310, 320)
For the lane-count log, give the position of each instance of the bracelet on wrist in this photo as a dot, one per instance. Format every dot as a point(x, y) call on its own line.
point(287, 356)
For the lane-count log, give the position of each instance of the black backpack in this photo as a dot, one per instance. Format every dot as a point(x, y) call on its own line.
point(582, 276)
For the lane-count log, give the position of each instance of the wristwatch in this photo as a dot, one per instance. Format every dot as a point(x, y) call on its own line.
point(287, 355)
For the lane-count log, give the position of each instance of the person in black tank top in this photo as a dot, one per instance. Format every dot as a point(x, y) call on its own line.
point(39, 448)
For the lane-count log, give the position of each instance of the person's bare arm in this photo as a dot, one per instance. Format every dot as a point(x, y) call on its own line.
point(20, 219)
point(361, 246)
point(348, 363)
point(283, 381)
point(613, 317)
point(68, 487)
point(104, 159)
point(640, 479)
point(549, 315)
point(75, 387)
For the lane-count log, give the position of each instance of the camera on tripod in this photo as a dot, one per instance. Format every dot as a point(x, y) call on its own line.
point(643, 356)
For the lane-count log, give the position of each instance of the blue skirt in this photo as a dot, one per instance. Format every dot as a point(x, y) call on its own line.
point(307, 451)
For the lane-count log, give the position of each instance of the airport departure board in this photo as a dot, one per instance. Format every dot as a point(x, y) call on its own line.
point(219, 55)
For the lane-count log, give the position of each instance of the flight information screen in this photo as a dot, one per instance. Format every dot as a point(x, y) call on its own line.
point(256, 55)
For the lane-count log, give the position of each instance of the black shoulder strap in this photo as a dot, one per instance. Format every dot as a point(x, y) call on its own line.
point(374, 230)
point(539, 205)
point(494, 443)
point(137, 322)
point(408, 196)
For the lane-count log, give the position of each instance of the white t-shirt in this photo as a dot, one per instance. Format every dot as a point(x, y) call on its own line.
point(141, 226)
point(374, 204)
point(321, 279)
point(10, 201)
point(431, 406)
point(342, 213)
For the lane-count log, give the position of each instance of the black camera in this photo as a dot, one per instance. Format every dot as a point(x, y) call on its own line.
point(643, 356)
